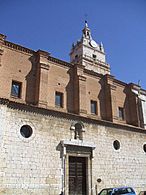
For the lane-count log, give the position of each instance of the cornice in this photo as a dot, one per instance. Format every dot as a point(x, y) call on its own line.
point(120, 82)
point(143, 91)
point(4, 101)
point(43, 53)
point(2, 37)
point(61, 62)
point(92, 73)
point(69, 116)
point(18, 47)
point(137, 88)
point(29, 51)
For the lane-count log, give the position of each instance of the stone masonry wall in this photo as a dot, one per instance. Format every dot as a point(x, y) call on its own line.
point(33, 165)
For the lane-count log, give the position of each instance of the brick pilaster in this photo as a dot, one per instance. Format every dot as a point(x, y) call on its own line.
point(42, 78)
point(2, 39)
point(110, 101)
point(80, 90)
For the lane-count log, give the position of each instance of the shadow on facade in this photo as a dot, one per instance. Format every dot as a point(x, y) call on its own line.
point(31, 80)
point(70, 92)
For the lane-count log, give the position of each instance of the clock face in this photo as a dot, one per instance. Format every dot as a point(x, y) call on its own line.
point(93, 43)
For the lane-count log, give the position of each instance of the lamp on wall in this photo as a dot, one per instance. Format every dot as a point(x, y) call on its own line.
point(99, 180)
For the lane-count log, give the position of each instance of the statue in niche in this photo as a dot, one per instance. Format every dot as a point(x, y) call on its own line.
point(78, 131)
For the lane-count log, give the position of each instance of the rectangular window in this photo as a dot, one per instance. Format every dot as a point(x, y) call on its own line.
point(121, 113)
point(93, 107)
point(59, 99)
point(16, 89)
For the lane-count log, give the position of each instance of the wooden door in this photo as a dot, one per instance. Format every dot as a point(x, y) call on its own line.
point(77, 176)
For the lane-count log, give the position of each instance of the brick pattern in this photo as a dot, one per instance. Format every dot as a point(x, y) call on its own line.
point(41, 76)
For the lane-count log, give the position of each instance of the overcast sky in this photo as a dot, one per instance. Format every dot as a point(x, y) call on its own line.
point(53, 25)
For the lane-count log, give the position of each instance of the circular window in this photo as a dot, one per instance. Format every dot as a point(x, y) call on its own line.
point(116, 145)
point(144, 147)
point(26, 131)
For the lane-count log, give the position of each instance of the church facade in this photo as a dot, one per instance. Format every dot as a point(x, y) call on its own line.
point(68, 128)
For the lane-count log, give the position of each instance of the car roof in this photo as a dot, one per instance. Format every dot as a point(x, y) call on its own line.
point(122, 187)
point(117, 188)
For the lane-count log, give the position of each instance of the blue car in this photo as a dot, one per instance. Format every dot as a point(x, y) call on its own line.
point(118, 191)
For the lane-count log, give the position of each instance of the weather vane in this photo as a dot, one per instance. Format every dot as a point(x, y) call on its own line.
point(139, 88)
point(86, 17)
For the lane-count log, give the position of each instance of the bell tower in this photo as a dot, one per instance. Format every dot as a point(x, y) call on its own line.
point(90, 54)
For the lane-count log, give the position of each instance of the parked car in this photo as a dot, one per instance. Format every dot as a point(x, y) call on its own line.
point(142, 193)
point(118, 191)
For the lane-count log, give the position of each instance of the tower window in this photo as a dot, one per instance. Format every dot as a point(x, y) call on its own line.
point(59, 99)
point(76, 58)
point(93, 107)
point(16, 89)
point(121, 113)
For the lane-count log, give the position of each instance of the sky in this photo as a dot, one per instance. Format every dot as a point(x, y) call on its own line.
point(53, 25)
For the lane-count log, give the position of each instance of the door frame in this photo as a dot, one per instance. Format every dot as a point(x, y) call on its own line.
point(77, 148)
